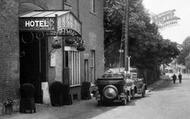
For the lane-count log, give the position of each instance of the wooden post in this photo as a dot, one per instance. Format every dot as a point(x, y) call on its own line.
point(63, 65)
point(126, 35)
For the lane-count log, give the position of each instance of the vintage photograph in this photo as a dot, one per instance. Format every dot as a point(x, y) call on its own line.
point(94, 59)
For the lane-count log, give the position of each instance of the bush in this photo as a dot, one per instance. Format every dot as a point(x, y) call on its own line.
point(66, 95)
point(56, 96)
point(27, 102)
point(59, 94)
point(27, 90)
point(85, 90)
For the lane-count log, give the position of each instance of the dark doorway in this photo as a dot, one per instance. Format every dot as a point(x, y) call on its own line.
point(33, 50)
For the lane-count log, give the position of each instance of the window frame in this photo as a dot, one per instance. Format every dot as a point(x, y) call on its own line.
point(93, 6)
point(74, 67)
point(92, 65)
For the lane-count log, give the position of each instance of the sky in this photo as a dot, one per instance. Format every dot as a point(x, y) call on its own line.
point(181, 30)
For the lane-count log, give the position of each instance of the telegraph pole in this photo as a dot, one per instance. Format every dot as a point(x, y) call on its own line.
point(63, 53)
point(126, 25)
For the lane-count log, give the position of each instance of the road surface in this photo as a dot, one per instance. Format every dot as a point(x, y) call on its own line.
point(169, 101)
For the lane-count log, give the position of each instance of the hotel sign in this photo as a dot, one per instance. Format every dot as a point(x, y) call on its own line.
point(38, 23)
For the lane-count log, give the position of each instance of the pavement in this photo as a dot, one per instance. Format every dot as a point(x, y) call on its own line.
point(67, 111)
point(159, 84)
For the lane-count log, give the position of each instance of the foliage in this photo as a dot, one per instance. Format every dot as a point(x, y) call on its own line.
point(66, 95)
point(184, 52)
point(154, 52)
point(56, 95)
point(147, 48)
point(76, 42)
point(187, 61)
point(85, 90)
point(59, 94)
point(8, 102)
point(27, 101)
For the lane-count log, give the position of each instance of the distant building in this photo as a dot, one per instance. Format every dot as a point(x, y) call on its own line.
point(173, 68)
point(29, 55)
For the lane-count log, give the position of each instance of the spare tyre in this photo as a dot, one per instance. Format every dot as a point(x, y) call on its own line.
point(110, 92)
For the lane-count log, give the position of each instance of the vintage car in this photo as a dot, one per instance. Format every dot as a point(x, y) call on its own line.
point(139, 85)
point(114, 85)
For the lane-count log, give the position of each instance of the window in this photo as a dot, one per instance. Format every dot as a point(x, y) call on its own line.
point(74, 68)
point(86, 70)
point(66, 59)
point(67, 5)
point(92, 66)
point(93, 6)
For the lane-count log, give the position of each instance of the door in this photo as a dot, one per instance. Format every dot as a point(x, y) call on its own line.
point(33, 61)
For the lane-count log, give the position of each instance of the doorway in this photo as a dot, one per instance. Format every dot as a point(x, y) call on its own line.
point(33, 60)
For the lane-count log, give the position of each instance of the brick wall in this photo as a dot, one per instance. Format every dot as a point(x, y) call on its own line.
point(93, 31)
point(9, 49)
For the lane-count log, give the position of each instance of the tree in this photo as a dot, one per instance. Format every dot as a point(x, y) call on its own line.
point(185, 51)
point(147, 48)
point(187, 61)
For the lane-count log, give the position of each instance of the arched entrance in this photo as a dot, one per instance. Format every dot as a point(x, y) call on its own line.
point(33, 57)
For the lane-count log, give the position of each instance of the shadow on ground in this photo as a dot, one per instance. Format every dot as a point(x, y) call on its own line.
point(165, 85)
point(131, 103)
point(94, 110)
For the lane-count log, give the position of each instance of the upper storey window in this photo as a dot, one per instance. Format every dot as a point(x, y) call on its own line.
point(93, 6)
point(67, 5)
